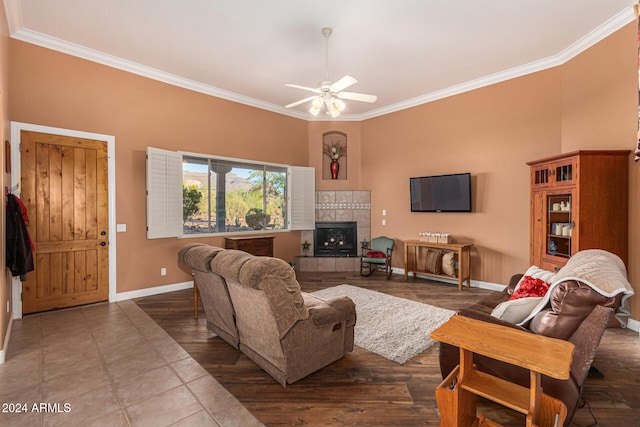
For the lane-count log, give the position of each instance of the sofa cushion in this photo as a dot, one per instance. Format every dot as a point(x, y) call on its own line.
point(376, 254)
point(449, 263)
point(278, 281)
point(515, 310)
point(434, 261)
point(228, 263)
point(198, 255)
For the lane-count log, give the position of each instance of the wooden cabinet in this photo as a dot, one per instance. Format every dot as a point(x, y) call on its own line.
point(259, 246)
point(578, 201)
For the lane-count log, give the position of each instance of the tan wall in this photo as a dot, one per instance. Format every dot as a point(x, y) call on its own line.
point(491, 132)
point(52, 89)
point(600, 105)
point(5, 180)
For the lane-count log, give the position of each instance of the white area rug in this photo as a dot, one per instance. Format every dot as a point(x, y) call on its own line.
point(395, 328)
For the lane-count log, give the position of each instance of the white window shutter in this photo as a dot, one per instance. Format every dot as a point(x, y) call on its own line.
point(301, 195)
point(164, 193)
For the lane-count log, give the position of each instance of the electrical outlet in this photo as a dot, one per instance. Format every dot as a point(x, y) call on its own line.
point(163, 271)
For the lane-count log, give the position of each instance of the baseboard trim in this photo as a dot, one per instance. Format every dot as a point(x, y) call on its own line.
point(634, 325)
point(140, 293)
point(5, 347)
point(474, 283)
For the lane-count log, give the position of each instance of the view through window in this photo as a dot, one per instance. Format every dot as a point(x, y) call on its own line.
point(221, 195)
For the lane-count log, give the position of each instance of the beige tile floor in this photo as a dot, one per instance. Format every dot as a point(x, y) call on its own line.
point(107, 365)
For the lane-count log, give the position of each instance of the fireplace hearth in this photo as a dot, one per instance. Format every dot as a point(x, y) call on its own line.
point(336, 239)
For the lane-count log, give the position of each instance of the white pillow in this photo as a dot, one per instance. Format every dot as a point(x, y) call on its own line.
point(537, 273)
point(515, 311)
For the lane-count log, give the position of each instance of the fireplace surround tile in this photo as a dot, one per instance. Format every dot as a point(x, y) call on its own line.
point(344, 197)
point(325, 214)
point(323, 197)
point(344, 214)
point(338, 206)
point(361, 197)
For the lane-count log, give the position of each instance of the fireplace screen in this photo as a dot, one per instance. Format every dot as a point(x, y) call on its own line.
point(335, 239)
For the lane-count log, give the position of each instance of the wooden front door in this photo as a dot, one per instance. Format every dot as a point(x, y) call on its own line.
point(64, 189)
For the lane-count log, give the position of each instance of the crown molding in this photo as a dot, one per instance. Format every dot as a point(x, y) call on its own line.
point(14, 18)
point(79, 51)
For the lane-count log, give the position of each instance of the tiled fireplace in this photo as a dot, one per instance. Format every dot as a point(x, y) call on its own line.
point(337, 207)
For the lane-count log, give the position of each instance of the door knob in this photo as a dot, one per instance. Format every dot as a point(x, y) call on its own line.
point(103, 233)
point(103, 243)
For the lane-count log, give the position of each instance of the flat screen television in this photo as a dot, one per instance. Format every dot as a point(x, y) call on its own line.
point(441, 193)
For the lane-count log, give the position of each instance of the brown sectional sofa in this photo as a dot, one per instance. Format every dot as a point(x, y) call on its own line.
point(256, 305)
point(576, 312)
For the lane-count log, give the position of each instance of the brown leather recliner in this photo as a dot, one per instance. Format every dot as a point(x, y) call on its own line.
point(576, 313)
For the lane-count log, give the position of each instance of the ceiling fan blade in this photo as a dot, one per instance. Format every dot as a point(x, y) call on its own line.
point(343, 83)
point(357, 96)
point(312, 89)
point(302, 101)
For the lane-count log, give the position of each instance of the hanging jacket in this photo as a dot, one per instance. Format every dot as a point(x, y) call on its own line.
point(19, 245)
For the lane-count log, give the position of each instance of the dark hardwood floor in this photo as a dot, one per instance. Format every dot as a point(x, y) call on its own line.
point(364, 389)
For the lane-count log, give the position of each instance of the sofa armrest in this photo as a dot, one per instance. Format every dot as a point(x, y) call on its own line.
point(473, 314)
point(331, 311)
point(513, 282)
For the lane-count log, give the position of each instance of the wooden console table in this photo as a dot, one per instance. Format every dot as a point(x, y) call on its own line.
point(456, 396)
point(257, 245)
point(462, 249)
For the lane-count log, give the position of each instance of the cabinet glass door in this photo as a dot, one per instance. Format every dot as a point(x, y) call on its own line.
point(559, 225)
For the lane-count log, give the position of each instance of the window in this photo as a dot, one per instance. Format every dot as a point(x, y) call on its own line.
point(222, 195)
point(230, 196)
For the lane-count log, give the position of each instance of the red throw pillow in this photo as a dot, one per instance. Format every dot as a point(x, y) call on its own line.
point(530, 287)
point(376, 254)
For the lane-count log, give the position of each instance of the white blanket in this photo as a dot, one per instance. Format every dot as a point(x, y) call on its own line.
point(603, 271)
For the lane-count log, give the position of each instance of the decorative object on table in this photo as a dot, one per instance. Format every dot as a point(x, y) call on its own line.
point(431, 237)
point(334, 148)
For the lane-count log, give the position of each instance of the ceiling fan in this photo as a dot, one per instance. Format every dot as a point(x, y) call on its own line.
point(330, 94)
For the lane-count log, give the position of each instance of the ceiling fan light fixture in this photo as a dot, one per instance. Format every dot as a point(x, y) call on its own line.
point(329, 93)
point(314, 109)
